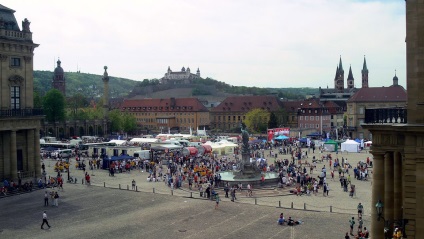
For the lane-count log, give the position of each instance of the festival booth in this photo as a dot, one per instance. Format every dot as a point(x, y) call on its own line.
point(108, 161)
point(117, 141)
point(204, 149)
point(281, 137)
point(368, 143)
point(190, 151)
point(222, 147)
point(351, 146)
point(331, 146)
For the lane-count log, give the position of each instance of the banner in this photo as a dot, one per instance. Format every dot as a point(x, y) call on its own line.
point(270, 134)
point(282, 131)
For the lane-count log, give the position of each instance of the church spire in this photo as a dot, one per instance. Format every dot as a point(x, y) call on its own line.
point(350, 80)
point(340, 65)
point(364, 74)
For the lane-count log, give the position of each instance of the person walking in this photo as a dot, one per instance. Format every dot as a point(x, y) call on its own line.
point(217, 199)
point(351, 223)
point(45, 220)
point(46, 198)
point(360, 209)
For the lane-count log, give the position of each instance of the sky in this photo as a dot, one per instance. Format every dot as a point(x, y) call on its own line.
point(272, 43)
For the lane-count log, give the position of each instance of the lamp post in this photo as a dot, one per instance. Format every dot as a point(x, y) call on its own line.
point(379, 206)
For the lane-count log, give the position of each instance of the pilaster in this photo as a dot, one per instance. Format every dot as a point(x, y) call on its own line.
point(377, 194)
point(388, 186)
point(397, 188)
point(30, 150)
point(37, 155)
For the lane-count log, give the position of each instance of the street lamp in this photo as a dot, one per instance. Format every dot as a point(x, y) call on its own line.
point(379, 206)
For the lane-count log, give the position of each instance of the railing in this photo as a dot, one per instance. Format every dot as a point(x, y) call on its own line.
point(21, 113)
point(386, 116)
point(16, 34)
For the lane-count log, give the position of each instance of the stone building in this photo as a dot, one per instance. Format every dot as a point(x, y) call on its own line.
point(180, 77)
point(230, 112)
point(158, 115)
point(398, 143)
point(393, 96)
point(19, 121)
point(59, 82)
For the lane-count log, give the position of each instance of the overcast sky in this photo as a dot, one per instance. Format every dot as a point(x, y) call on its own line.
point(273, 43)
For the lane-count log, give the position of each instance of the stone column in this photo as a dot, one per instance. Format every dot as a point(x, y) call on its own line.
point(30, 150)
point(37, 156)
point(397, 189)
point(13, 157)
point(377, 194)
point(388, 186)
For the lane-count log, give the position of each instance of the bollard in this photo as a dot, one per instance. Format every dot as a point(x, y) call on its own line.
point(104, 184)
point(136, 189)
point(304, 206)
point(191, 194)
point(128, 187)
point(256, 202)
point(279, 203)
point(292, 205)
point(153, 190)
point(119, 186)
point(331, 208)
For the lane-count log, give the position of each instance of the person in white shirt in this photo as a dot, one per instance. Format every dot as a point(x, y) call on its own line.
point(45, 220)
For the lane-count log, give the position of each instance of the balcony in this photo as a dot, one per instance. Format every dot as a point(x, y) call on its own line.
point(21, 113)
point(386, 116)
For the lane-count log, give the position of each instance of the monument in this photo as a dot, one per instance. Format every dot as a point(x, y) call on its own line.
point(248, 169)
point(249, 172)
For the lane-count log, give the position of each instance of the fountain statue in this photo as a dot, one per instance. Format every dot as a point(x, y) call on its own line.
point(248, 169)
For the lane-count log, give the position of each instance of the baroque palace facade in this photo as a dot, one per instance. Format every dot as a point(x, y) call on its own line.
point(19, 121)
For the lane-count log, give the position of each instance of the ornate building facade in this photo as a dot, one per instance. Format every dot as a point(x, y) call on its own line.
point(19, 121)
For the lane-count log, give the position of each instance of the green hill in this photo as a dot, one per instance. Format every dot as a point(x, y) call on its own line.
point(89, 85)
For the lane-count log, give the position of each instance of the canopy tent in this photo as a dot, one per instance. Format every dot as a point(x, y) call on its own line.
point(331, 146)
point(281, 137)
point(108, 161)
point(368, 143)
point(222, 147)
point(357, 140)
point(303, 140)
point(117, 141)
point(351, 146)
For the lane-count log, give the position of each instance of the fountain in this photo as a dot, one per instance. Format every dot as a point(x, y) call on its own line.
point(249, 173)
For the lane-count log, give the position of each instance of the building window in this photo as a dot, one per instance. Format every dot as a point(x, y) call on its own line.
point(15, 97)
point(361, 110)
point(316, 118)
point(301, 117)
point(306, 118)
point(15, 61)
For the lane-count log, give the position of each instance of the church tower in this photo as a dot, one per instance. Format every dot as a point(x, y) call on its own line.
point(350, 79)
point(339, 81)
point(198, 72)
point(59, 82)
point(364, 74)
point(105, 80)
point(395, 80)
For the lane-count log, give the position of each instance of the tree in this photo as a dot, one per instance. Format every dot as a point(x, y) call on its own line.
point(273, 121)
point(38, 100)
point(129, 122)
point(257, 120)
point(115, 120)
point(54, 105)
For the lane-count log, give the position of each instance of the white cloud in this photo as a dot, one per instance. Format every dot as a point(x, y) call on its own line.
point(254, 43)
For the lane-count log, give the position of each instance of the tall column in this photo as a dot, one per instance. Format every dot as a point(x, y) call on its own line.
point(30, 150)
point(377, 194)
point(37, 160)
point(397, 189)
point(388, 186)
point(13, 157)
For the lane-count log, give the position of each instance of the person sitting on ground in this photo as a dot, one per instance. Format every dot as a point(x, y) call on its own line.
point(281, 220)
point(292, 222)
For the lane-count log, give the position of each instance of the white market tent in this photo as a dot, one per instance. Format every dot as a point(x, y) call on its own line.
point(144, 140)
point(222, 147)
point(117, 141)
point(350, 146)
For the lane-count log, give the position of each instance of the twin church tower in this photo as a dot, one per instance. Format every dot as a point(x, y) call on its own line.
point(339, 78)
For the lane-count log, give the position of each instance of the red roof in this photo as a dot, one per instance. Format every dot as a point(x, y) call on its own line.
point(247, 103)
point(166, 105)
point(380, 94)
